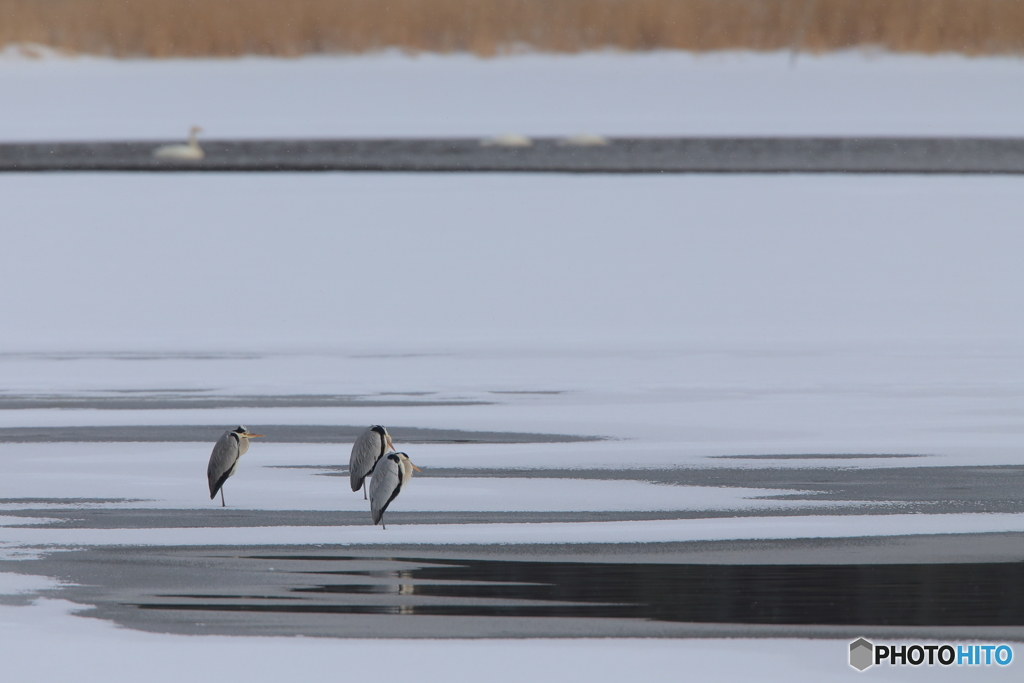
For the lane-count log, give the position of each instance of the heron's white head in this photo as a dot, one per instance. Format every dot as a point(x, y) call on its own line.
point(406, 464)
point(195, 129)
point(242, 431)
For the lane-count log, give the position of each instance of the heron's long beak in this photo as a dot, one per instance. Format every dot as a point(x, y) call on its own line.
point(253, 436)
point(390, 445)
point(414, 467)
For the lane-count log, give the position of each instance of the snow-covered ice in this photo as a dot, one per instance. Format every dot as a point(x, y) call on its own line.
point(170, 476)
point(409, 263)
point(690, 316)
point(660, 93)
point(15, 584)
point(681, 317)
point(92, 650)
point(657, 531)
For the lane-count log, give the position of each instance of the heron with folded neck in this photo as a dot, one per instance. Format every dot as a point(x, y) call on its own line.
point(230, 447)
point(391, 474)
point(370, 446)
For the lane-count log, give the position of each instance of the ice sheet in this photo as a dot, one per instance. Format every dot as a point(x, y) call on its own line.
point(92, 650)
point(657, 531)
point(682, 317)
point(172, 476)
point(366, 265)
point(14, 584)
point(660, 93)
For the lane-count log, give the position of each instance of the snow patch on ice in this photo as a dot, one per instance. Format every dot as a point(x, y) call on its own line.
point(15, 584)
point(656, 531)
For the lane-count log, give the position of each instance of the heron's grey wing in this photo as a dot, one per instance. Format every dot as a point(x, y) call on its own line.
point(365, 453)
point(385, 485)
point(222, 460)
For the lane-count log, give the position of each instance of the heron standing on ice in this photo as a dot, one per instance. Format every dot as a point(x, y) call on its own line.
point(370, 446)
point(231, 446)
point(392, 472)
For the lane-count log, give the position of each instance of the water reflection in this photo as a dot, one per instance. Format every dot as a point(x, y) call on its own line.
point(910, 594)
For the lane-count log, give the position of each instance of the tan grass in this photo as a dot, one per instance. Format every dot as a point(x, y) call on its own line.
point(164, 28)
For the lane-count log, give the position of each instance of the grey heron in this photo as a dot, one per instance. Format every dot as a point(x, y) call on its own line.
point(392, 472)
point(369, 447)
point(231, 446)
point(190, 150)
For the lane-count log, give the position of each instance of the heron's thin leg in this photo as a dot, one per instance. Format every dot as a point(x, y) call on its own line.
point(364, 489)
point(222, 497)
point(382, 522)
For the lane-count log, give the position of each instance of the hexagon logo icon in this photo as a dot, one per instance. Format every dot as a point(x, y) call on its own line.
point(861, 652)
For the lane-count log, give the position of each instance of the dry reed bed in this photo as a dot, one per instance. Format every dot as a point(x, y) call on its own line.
point(164, 28)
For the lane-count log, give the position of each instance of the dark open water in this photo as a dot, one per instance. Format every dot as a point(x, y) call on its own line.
point(990, 594)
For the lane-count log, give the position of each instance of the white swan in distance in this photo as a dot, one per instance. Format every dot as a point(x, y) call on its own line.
point(190, 150)
point(584, 140)
point(507, 140)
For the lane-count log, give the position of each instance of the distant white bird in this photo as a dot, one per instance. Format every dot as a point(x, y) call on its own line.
point(391, 474)
point(370, 446)
point(191, 150)
point(507, 140)
point(584, 140)
point(229, 448)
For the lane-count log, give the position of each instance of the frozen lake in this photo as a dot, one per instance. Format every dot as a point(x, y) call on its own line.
point(743, 371)
point(890, 478)
point(748, 372)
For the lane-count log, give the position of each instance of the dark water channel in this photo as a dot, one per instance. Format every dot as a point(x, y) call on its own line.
point(983, 594)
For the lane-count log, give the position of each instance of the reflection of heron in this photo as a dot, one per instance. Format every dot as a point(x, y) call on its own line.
point(397, 588)
point(389, 476)
point(406, 588)
point(224, 460)
point(191, 150)
point(369, 447)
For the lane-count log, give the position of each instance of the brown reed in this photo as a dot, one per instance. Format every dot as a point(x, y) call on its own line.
point(194, 28)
